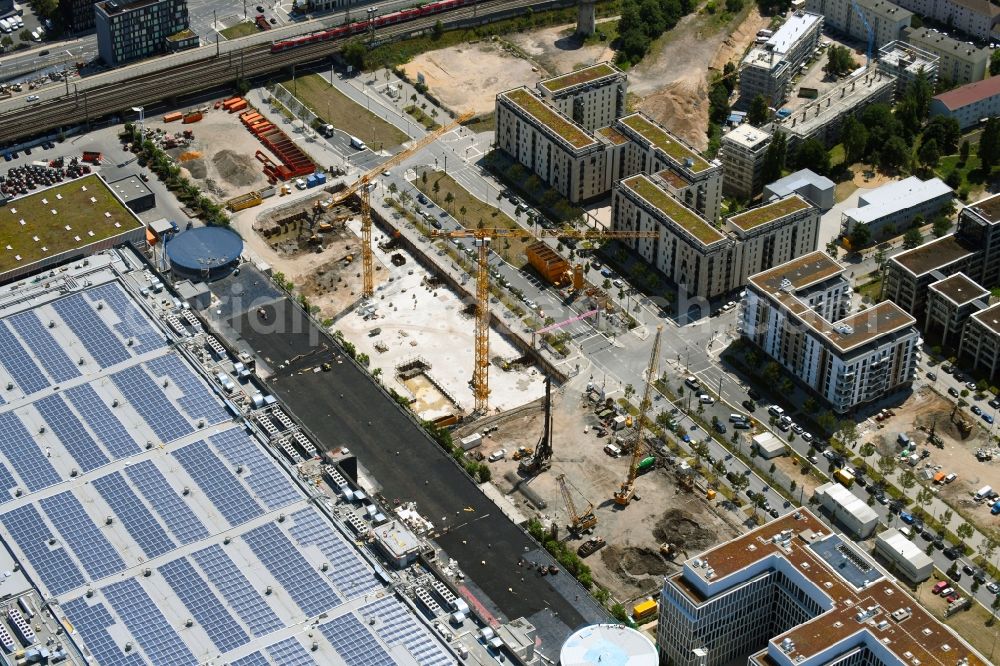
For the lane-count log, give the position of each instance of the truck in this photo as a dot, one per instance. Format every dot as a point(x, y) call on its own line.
point(590, 546)
point(646, 464)
point(845, 478)
point(92, 156)
point(358, 144)
point(982, 493)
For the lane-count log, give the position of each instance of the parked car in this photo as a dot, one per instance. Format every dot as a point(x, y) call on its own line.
point(952, 391)
point(906, 517)
point(946, 591)
point(499, 454)
point(931, 376)
point(987, 418)
point(994, 403)
point(976, 410)
point(749, 405)
point(993, 588)
point(720, 427)
point(968, 569)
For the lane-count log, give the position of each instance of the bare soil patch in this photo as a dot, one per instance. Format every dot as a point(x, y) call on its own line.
point(557, 51)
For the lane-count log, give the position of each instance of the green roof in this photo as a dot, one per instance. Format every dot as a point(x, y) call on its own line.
point(88, 221)
point(662, 139)
point(673, 209)
point(755, 217)
point(548, 117)
point(579, 76)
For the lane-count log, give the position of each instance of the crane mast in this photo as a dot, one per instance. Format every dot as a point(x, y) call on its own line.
point(627, 492)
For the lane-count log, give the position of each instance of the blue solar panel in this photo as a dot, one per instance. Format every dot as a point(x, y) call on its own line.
point(174, 512)
point(147, 398)
point(290, 652)
point(270, 484)
point(91, 330)
point(20, 449)
point(398, 626)
point(197, 401)
point(133, 323)
point(67, 427)
point(218, 483)
point(204, 606)
point(223, 573)
point(95, 553)
point(20, 366)
point(52, 563)
point(142, 526)
point(47, 351)
point(146, 623)
point(253, 659)
point(304, 585)
point(354, 643)
point(7, 483)
point(93, 623)
point(113, 435)
point(351, 576)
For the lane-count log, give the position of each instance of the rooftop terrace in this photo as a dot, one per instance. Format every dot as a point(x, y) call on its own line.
point(662, 139)
point(580, 76)
point(548, 117)
point(642, 186)
point(988, 208)
point(612, 135)
point(769, 212)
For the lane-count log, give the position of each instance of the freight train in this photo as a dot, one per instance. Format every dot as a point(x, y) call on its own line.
point(362, 26)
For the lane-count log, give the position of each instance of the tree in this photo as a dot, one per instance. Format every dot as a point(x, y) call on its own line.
point(848, 433)
point(354, 55)
point(449, 198)
point(774, 158)
point(733, 6)
point(907, 479)
point(867, 450)
point(989, 144)
point(886, 464)
point(24, 35)
point(629, 391)
point(861, 236)
point(436, 187)
point(920, 92)
point(854, 136)
point(895, 153)
point(759, 111)
point(729, 76)
point(912, 238)
point(6, 41)
point(929, 153)
point(995, 63)
point(945, 131)
point(812, 154)
point(946, 517)
point(438, 30)
point(964, 531)
point(839, 61)
point(942, 225)
point(718, 103)
point(963, 151)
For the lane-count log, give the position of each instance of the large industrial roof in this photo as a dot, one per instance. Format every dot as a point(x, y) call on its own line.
point(159, 526)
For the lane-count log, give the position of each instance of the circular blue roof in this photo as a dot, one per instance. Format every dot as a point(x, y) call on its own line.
point(204, 248)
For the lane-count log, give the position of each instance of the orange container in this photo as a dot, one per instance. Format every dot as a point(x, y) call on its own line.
point(192, 117)
point(237, 106)
point(171, 117)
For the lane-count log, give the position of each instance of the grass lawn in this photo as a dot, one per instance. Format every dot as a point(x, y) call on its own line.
point(332, 106)
point(239, 30)
point(973, 624)
point(418, 114)
point(871, 289)
point(971, 175)
point(477, 213)
point(837, 155)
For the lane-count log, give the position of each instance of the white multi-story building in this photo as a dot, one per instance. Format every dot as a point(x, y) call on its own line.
point(797, 314)
point(975, 18)
point(886, 19)
point(980, 346)
point(890, 209)
point(593, 97)
point(958, 62)
point(742, 155)
point(969, 104)
point(769, 67)
point(792, 593)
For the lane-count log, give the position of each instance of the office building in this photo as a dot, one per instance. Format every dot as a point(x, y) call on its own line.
point(847, 510)
point(891, 209)
point(128, 31)
point(887, 20)
point(77, 15)
point(822, 117)
point(906, 63)
point(134, 193)
point(974, 18)
point(950, 303)
point(791, 593)
point(796, 313)
point(769, 67)
point(980, 346)
point(742, 155)
point(817, 190)
point(592, 97)
point(970, 103)
point(905, 558)
point(958, 62)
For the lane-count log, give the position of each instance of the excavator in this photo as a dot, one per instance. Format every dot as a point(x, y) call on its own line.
point(541, 458)
point(627, 491)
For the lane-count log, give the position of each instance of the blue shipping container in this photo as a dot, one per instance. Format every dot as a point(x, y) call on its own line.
point(320, 178)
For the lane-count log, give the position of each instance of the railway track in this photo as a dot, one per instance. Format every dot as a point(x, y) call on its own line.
point(256, 60)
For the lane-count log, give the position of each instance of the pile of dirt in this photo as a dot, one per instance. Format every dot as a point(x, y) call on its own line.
point(196, 169)
point(684, 531)
point(643, 562)
point(189, 155)
point(235, 169)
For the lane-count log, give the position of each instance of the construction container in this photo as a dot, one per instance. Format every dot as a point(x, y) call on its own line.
point(172, 117)
point(646, 464)
point(226, 103)
point(248, 200)
point(266, 192)
point(548, 263)
point(238, 106)
point(644, 610)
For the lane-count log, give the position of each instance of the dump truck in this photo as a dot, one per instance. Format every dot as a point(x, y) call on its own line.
point(591, 546)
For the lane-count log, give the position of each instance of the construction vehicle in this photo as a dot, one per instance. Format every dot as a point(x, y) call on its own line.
point(579, 523)
point(627, 491)
point(591, 546)
point(522, 452)
point(668, 550)
point(541, 457)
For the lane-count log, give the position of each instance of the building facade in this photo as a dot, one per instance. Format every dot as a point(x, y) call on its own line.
point(790, 593)
point(906, 63)
point(970, 103)
point(817, 190)
point(128, 31)
point(958, 62)
point(980, 346)
point(769, 67)
point(975, 18)
point(905, 558)
point(950, 303)
point(77, 15)
point(742, 155)
point(886, 19)
point(592, 97)
point(797, 314)
point(892, 208)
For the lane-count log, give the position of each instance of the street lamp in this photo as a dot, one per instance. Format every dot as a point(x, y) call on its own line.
point(142, 119)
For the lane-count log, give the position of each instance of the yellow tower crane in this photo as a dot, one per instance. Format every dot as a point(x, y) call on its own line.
point(627, 492)
point(480, 373)
point(577, 523)
point(361, 186)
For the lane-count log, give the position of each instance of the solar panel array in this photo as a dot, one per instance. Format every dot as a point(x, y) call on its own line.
point(113, 435)
point(99, 340)
point(48, 557)
point(142, 526)
point(239, 593)
point(47, 351)
point(351, 576)
point(399, 627)
point(290, 652)
point(93, 621)
point(197, 401)
point(167, 502)
point(132, 322)
point(19, 365)
point(7, 484)
point(98, 557)
point(20, 449)
point(252, 659)
point(71, 433)
point(218, 483)
point(146, 622)
point(354, 642)
point(146, 396)
point(261, 473)
point(204, 606)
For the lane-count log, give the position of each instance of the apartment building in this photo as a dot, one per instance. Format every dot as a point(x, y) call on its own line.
point(697, 182)
point(970, 103)
point(742, 155)
point(906, 63)
point(128, 31)
point(792, 593)
point(817, 190)
point(592, 97)
point(701, 258)
point(950, 303)
point(974, 18)
point(980, 346)
point(797, 314)
point(886, 19)
point(891, 209)
point(769, 67)
point(958, 62)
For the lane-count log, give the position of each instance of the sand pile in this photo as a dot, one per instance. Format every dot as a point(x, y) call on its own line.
point(235, 169)
point(189, 155)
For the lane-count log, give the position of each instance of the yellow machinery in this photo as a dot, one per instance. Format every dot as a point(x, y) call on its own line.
point(577, 523)
point(624, 496)
point(483, 237)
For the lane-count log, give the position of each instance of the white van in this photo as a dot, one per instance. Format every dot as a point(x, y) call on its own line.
point(5, 26)
point(774, 410)
point(982, 493)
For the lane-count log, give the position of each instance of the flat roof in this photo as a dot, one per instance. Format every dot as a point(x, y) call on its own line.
point(803, 272)
point(931, 38)
point(546, 116)
point(990, 318)
point(673, 179)
point(898, 543)
point(864, 326)
point(580, 76)
point(850, 503)
point(612, 135)
point(932, 256)
point(662, 139)
point(840, 556)
point(959, 289)
point(847, 94)
point(799, 179)
point(656, 197)
point(988, 208)
point(60, 218)
point(130, 188)
point(769, 212)
point(894, 197)
point(791, 31)
point(747, 136)
point(887, 10)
